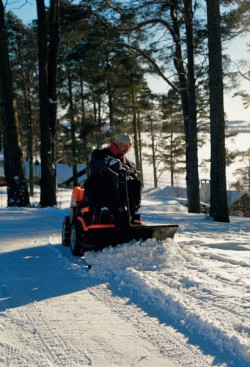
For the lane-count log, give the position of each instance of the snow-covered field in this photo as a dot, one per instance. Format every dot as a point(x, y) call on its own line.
point(239, 142)
point(181, 302)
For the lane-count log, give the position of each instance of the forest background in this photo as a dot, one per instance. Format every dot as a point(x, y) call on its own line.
point(79, 76)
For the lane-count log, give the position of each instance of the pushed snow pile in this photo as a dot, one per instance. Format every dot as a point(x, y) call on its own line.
point(149, 255)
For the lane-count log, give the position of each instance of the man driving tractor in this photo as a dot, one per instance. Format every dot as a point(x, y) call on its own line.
point(100, 188)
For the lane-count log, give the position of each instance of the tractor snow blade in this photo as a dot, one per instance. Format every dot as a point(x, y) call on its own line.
point(97, 239)
point(161, 231)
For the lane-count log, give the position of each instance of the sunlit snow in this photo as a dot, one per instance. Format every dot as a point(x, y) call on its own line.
point(179, 302)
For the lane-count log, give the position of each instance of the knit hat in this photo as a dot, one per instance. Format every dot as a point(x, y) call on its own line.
point(124, 138)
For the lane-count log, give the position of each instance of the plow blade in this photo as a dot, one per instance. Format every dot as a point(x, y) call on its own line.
point(97, 239)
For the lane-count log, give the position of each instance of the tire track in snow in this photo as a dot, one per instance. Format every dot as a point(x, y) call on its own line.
point(37, 342)
point(193, 310)
point(193, 306)
point(188, 314)
point(224, 280)
point(12, 349)
point(172, 344)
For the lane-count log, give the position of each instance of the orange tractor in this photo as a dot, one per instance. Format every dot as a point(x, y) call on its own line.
point(89, 228)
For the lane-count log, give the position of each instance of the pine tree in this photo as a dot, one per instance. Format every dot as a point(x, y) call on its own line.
point(24, 67)
point(167, 137)
point(17, 187)
point(243, 174)
point(48, 174)
point(173, 149)
point(218, 198)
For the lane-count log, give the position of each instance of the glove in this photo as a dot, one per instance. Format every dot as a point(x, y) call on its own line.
point(114, 164)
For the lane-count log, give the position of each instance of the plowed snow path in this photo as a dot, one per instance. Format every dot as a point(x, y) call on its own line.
point(51, 316)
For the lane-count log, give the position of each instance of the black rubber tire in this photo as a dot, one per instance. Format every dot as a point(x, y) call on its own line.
point(66, 228)
point(77, 239)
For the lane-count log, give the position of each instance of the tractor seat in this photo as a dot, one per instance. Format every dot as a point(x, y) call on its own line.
point(78, 198)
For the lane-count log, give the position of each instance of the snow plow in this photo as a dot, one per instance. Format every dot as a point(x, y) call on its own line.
point(89, 228)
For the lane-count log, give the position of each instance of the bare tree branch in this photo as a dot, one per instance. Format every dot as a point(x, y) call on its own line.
point(149, 58)
point(135, 26)
point(244, 75)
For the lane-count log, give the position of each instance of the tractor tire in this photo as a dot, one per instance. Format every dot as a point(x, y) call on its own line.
point(66, 226)
point(77, 239)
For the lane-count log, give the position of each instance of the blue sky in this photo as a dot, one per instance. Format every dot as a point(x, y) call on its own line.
point(26, 10)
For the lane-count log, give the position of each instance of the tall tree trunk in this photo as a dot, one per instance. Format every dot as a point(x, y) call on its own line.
point(111, 109)
point(97, 136)
point(52, 76)
point(73, 132)
point(99, 119)
point(140, 145)
point(30, 147)
point(1, 133)
point(84, 130)
point(52, 62)
point(135, 122)
point(171, 158)
point(153, 154)
point(26, 91)
point(48, 189)
point(192, 179)
point(17, 188)
point(218, 197)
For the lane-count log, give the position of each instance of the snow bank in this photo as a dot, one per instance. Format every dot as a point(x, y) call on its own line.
point(176, 282)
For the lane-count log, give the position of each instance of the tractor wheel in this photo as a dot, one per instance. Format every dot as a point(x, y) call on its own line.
point(66, 231)
point(77, 239)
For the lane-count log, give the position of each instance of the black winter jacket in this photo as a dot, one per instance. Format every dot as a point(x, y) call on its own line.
point(97, 161)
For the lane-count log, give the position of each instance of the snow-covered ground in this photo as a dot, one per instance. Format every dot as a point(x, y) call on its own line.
point(180, 302)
